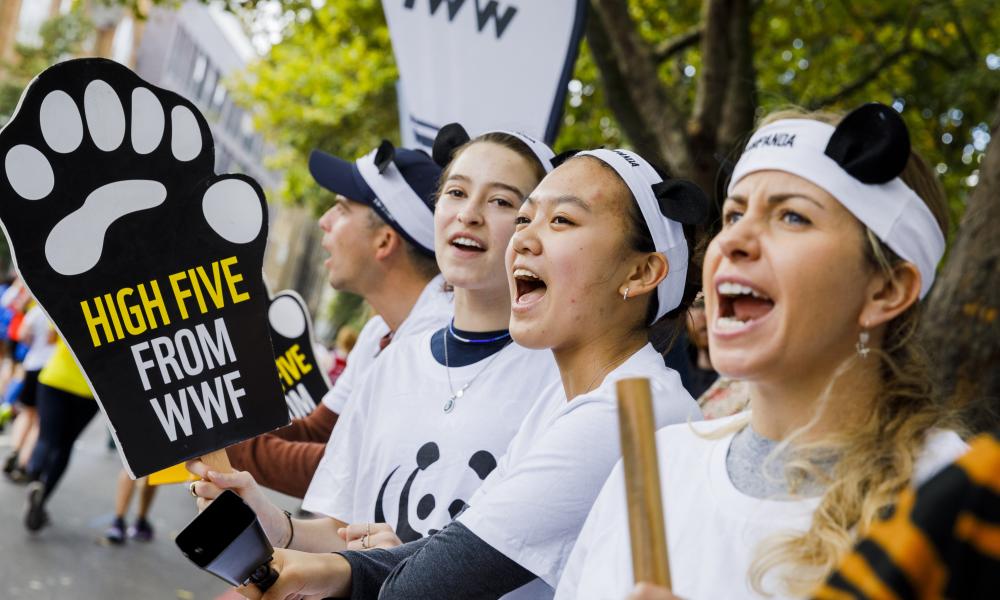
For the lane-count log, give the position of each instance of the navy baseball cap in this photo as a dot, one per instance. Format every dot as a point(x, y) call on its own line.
point(399, 184)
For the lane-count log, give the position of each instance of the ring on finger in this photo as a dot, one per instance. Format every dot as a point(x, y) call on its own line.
point(364, 541)
point(191, 489)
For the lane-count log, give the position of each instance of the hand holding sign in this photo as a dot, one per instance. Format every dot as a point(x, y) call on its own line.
point(302, 379)
point(214, 482)
point(148, 263)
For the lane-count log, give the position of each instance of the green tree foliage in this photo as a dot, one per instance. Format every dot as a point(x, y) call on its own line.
point(62, 37)
point(587, 121)
point(347, 309)
point(931, 60)
point(936, 61)
point(330, 82)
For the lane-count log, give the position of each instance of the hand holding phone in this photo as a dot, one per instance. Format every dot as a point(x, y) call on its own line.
point(226, 540)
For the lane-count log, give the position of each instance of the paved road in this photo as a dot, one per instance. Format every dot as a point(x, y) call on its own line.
point(68, 559)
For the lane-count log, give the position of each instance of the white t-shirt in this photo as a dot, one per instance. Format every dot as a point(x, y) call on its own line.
point(713, 529)
point(432, 311)
point(532, 507)
point(396, 457)
point(37, 324)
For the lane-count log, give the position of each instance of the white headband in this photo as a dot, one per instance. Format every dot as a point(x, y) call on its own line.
point(542, 152)
point(668, 235)
point(892, 211)
point(398, 200)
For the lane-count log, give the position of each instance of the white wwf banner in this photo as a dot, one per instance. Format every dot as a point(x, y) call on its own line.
point(487, 64)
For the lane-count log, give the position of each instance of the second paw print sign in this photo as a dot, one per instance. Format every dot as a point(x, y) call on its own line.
point(148, 263)
point(303, 379)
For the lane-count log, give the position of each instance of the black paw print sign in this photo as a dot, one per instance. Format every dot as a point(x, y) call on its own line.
point(148, 263)
point(302, 378)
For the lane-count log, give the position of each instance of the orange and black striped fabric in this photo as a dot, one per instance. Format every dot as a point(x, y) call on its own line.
point(941, 542)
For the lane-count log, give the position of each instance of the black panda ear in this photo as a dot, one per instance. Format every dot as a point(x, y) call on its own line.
point(563, 156)
point(384, 155)
point(681, 201)
point(448, 138)
point(871, 143)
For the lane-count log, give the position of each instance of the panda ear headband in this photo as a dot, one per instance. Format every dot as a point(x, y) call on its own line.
point(858, 162)
point(666, 206)
point(452, 136)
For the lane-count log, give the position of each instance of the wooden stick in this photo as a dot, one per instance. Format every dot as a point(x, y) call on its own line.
point(218, 461)
point(642, 482)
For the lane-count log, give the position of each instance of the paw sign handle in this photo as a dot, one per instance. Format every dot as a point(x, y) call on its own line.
point(125, 235)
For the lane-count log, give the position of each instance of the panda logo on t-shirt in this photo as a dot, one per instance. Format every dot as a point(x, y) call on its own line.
point(482, 464)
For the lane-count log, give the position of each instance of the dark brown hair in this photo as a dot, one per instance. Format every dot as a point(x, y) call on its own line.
point(508, 141)
point(665, 330)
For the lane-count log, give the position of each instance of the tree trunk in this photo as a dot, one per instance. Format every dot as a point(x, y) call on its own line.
point(961, 326)
point(695, 145)
point(713, 80)
point(639, 134)
point(741, 88)
point(738, 109)
point(629, 60)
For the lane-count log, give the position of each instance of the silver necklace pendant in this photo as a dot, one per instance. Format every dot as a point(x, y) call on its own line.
point(450, 404)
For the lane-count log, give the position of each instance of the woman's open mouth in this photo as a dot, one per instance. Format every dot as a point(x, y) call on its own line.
point(740, 306)
point(529, 289)
point(468, 244)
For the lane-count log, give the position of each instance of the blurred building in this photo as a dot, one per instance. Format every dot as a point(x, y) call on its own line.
point(191, 49)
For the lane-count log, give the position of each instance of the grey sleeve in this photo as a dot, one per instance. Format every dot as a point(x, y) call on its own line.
point(369, 569)
point(454, 563)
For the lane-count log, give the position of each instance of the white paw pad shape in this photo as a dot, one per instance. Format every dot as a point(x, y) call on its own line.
point(74, 246)
point(286, 317)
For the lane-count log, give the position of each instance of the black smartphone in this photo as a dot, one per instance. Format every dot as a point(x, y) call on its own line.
point(226, 540)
